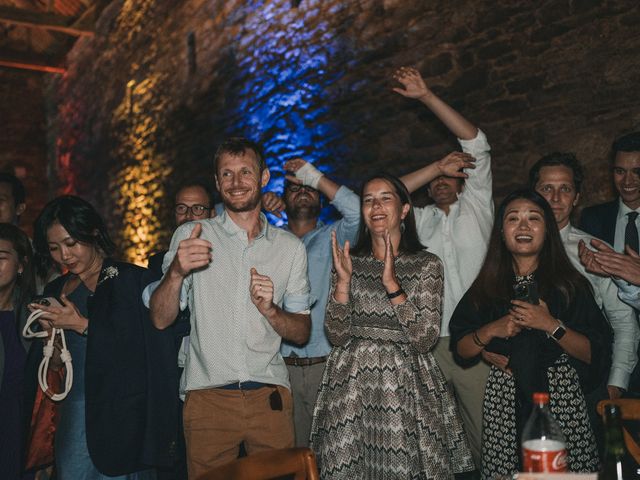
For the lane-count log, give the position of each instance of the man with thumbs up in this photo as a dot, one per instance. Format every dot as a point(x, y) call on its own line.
point(245, 283)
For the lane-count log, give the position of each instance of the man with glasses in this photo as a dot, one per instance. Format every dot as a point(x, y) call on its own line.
point(302, 202)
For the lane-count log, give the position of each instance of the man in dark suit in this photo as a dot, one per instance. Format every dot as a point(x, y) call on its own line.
point(617, 222)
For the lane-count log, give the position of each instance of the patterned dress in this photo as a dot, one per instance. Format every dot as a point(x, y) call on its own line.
point(383, 409)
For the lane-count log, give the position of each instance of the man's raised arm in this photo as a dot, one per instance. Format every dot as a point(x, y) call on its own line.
point(414, 86)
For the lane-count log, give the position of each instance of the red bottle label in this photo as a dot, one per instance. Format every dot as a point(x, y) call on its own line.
point(544, 456)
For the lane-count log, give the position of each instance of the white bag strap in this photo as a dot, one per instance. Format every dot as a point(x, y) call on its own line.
point(48, 349)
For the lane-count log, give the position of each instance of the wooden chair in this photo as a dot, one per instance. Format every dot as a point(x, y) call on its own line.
point(630, 409)
point(294, 463)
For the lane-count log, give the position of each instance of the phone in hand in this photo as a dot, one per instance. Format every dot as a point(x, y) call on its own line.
point(527, 292)
point(48, 302)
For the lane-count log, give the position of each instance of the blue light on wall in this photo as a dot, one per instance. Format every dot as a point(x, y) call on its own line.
point(285, 74)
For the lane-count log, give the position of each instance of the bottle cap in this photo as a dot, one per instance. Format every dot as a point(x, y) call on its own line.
point(611, 410)
point(540, 397)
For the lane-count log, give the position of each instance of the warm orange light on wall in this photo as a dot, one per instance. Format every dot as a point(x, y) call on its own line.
point(137, 186)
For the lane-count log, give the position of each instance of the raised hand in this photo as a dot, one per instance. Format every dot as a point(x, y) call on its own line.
point(293, 166)
point(413, 83)
point(341, 260)
point(303, 172)
point(261, 291)
point(272, 203)
point(192, 253)
point(452, 164)
point(389, 278)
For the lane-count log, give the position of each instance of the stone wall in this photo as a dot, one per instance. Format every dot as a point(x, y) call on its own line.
point(23, 149)
point(145, 102)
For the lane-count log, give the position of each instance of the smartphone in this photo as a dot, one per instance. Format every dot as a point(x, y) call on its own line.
point(527, 292)
point(48, 302)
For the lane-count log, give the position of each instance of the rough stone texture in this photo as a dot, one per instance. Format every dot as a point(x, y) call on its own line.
point(23, 149)
point(137, 111)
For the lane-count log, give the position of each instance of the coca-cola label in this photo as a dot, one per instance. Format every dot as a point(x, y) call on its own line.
point(546, 456)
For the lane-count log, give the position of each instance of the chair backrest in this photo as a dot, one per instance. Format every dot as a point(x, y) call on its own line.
point(630, 410)
point(300, 462)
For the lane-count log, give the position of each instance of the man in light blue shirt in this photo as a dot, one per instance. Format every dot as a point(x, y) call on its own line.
point(302, 199)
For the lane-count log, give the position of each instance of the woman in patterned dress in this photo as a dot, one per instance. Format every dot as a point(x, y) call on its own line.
point(383, 410)
point(560, 345)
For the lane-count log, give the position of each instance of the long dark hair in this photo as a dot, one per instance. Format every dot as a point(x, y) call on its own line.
point(409, 242)
point(25, 283)
point(79, 219)
point(555, 271)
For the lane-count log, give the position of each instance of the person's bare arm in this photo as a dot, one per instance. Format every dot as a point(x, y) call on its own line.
point(415, 87)
point(450, 166)
point(474, 343)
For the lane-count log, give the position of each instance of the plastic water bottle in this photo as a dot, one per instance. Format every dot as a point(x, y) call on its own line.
point(543, 444)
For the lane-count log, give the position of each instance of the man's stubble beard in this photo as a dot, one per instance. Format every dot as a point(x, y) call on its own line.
point(248, 206)
point(304, 213)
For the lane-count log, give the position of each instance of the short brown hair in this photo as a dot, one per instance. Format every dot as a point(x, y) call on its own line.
point(237, 146)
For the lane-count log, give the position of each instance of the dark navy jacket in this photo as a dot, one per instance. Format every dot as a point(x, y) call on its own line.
point(600, 220)
point(130, 376)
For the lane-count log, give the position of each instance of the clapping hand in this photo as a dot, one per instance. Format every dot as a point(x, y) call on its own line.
point(588, 260)
point(389, 278)
point(341, 260)
point(607, 262)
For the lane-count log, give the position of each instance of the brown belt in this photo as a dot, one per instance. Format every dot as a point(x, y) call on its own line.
point(304, 362)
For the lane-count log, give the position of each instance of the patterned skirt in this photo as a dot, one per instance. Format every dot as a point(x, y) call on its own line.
point(501, 448)
point(385, 412)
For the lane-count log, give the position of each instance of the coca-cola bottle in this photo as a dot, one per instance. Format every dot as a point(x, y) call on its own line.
point(543, 444)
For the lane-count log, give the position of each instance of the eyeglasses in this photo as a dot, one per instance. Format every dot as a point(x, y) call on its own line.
point(196, 210)
point(294, 187)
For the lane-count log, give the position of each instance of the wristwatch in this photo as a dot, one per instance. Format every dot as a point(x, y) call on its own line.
point(559, 332)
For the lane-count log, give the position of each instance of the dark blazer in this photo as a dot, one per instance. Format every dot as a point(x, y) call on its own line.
point(182, 326)
point(130, 376)
point(600, 220)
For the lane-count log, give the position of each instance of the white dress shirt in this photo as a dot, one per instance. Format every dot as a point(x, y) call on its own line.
point(621, 317)
point(230, 340)
point(461, 238)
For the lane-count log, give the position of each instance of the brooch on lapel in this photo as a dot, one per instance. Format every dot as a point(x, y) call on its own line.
point(107, 273)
